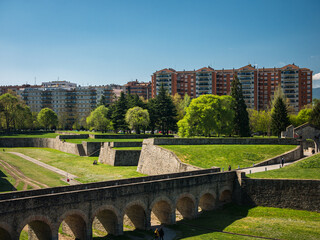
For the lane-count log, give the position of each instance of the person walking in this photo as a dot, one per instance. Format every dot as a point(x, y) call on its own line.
point(282, 161)
point(161, 233)
point(156, 234)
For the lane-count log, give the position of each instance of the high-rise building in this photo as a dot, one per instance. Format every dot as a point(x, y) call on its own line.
point(258, 84)
point(142, 89)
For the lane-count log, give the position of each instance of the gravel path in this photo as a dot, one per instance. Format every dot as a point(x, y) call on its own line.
point(51, 168)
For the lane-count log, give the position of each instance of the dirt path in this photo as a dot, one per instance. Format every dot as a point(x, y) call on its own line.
point(20, 177)
point(70, 176)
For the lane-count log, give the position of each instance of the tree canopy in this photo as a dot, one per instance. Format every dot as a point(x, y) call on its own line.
point(315, 114)
point(137, 118)
point(47, 118)
point(279, 117)
point(208, 115)
point(98, 119)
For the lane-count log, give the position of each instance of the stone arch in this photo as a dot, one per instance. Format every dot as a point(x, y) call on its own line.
point(162, 211)
point(135, 215)
point(225, 195)
point(74, 224)
point(107, 219)
point(186, 206)
point(39, 227)
point(5, 232)
point(207, 200)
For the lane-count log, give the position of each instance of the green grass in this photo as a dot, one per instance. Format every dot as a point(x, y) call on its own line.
point(207, 156)
point(79, 141)
point(305, 169)
point(30, 135)
point(7, 182)
point(79, 166)
point(259, 221)
point(31, 170)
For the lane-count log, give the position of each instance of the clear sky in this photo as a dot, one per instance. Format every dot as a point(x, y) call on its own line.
point(101, 42)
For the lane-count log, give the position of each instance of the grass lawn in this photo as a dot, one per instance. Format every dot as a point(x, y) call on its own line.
point(30, 135)
point(207, 156)
point(79, 166)
point(304, 169)
point(79, 141)
point(259, 221)
point(7, 182)
point(30, 170)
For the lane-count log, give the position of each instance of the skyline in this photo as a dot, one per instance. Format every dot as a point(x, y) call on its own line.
point(109, 42)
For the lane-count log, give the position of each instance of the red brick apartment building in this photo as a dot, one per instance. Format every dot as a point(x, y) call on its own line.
point(142, 89)
point(258, 84)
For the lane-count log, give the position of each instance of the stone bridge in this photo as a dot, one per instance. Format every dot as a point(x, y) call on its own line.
point(108, 206)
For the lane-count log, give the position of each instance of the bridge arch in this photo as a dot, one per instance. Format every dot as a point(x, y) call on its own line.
point(107, 219)
point(5, 232)
point(74, 223)
point(162, 211)
point(207, 200)
point(135, 215)
point(186, 206)
point(38, 226)
point(225, 195)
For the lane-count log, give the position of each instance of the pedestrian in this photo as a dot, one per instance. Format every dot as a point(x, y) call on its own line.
point(161, 233)
point(229, 168)
point(156, 234)
point(282, 161)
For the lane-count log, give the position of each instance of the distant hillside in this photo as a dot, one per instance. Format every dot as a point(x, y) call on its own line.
point(316, 93)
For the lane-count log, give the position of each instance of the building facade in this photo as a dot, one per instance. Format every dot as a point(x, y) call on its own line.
point(258, 84)
point(142, 89)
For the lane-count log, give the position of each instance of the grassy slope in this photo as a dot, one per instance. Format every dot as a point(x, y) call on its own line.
point(304, 169)
point(259, 221)
point(207, 156)
point(30, 135)
point(31, 170)
point(79, 166)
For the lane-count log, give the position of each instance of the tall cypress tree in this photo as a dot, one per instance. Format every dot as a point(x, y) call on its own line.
point(166, 112)
point(315, 115)
point(119, 112)
point(241, 119)
point(279, 117)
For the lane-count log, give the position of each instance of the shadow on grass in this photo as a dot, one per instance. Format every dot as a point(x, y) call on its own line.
point(127, 235)
point(210, 221)
point(5, 185)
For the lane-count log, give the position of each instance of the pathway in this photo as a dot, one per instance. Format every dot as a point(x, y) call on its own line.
point(51, 168)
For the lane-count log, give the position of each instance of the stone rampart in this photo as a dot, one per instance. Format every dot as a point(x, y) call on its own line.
point(209, 141)
point(69, 136)
point(114, 157)
point(282, 193)
point(128, 136)
point(289, 156)
point(157, 160)
point(92, 148)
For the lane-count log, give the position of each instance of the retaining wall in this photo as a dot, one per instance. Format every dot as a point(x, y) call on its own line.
point(115, 157)
point(128, 136)
point(54, 143)
point(208, 141)
point(282, 193)
point(289, 156)
point(157, 160)
point(72, 136)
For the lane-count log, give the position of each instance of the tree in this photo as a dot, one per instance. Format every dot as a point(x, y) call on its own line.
point(279, 117)
point(8, 108)
point(23, 117)
point(260, 121)
point(302, 117)
point(47, 118)
point(136, 118)
point(98, 119)
point(181, 104)
point(241, 119)
point(153, 114)
point(102, 101)
point(166, 112)
point(315, 114)
point(119, 112)
point(208, 115)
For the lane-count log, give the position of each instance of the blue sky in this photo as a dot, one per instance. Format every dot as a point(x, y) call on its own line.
point(101, 42)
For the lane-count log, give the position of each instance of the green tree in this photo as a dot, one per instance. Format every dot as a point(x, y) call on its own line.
point(166, 112)
point(98, 119)
point(153, 114)
point(47, 118)
point(181, 104)
point(315, 115)
point(8, 103)
point(137, 118)
point(120, 108)
point(102, 101)
point(260, 121)
point(23, 117)
point(241, 119)
point(208, 115)
point(135, 101)
point(279, 117)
